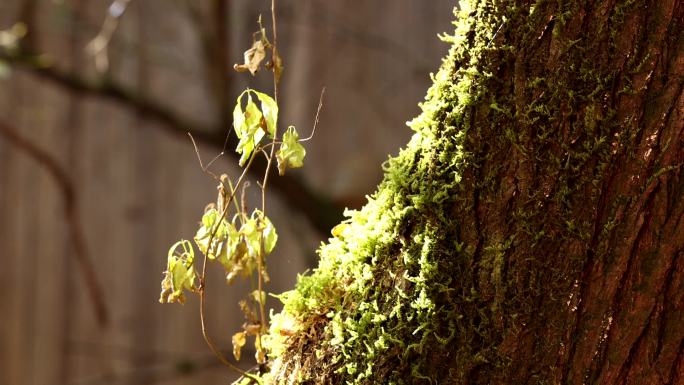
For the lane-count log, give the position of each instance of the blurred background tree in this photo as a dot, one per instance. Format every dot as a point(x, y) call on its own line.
point(97, 176)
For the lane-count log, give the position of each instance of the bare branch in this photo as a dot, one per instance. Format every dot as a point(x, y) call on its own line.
point(199, 159)
point(318, 111)
point(320, 211)
point(68, 190)
point(99, 46)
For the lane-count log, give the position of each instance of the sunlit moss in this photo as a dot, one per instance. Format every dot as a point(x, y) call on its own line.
point(375, 283)
point(384, 293)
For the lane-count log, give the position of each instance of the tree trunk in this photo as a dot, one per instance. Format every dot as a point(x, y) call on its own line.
point(532, 232)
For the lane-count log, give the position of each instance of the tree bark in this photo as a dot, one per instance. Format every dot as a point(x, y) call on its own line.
point(532, 232)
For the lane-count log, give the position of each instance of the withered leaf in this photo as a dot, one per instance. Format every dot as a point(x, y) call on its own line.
point(253, 58)
point(239, 340)
point(277, 65)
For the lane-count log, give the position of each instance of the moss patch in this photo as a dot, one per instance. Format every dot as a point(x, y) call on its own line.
point(381, 295)
point(399, 291)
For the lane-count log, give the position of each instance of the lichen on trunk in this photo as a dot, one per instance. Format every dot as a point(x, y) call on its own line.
point(531, 231)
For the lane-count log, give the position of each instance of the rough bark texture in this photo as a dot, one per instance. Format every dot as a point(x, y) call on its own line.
point(532, 232)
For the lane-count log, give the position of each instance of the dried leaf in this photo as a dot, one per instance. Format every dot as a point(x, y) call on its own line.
point(249, 314)
point(239, 340)
point(243, 263)
point(253, 58)
point(220, 230)
point(277, 66)
point(259, 296)
point(252, 329)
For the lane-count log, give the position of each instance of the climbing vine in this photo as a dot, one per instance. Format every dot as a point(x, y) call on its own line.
point(231, 234)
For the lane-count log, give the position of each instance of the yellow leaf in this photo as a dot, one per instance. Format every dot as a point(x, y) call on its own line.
point(291, 153)
point(260, 354)
point(239, 340)
point(180, 273)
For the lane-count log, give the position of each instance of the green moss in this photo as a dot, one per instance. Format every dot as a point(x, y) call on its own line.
point(396, 286)
point(381, 280)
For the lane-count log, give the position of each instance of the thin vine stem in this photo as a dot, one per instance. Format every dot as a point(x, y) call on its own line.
point(202, 284)
point(274, 54)
point(318, 111)
point(229, 201)
point(269, 162)
point(276, 68)
point(238, 210)
point(217, 352)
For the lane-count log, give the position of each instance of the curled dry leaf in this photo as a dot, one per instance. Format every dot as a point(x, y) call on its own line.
point(239, 340)
point(260, 354)
point(277, 65)
point(251, 329)
point(253, 58)
point(180, 273)
point(249, 314)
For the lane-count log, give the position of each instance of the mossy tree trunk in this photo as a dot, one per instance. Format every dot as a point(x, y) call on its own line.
point(532, 231)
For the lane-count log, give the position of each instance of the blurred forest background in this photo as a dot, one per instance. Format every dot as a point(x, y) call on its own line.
point(98, 177)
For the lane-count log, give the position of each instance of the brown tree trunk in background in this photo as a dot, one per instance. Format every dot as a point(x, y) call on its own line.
point(533, 230)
